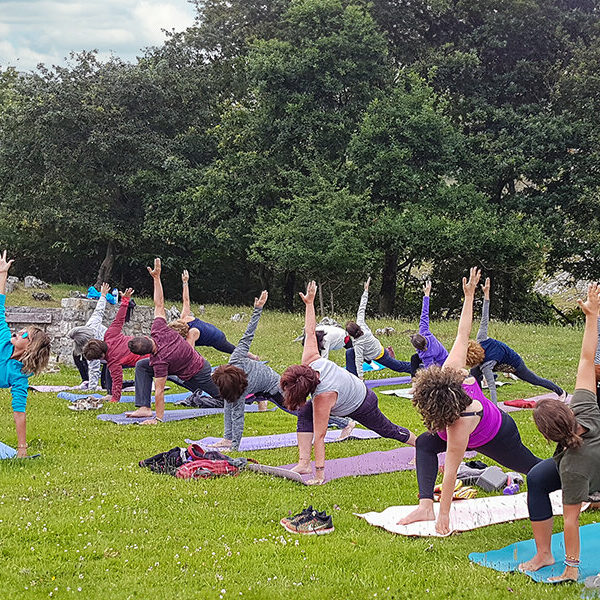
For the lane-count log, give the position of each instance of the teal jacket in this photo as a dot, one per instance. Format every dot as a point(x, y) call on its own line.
point(10, 368)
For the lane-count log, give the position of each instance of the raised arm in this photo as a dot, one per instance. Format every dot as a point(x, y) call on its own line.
point(362, 307)
point(424, 322)
point(488, 373)
point(586, 376)
point(311, 347)
point(117, 325)
point(185, 281)
point(597, 359)
point(458, 355)
point(4, 267)
point(482, 334)
point(243, 347)
point(159, 297)
point(96, 319)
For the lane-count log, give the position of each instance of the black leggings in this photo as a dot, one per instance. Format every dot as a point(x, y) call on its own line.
point(415, 364)
point(542, 480)
point(505, 448)
point(82, 366)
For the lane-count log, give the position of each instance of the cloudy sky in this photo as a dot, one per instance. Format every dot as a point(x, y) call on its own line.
point(34, 31)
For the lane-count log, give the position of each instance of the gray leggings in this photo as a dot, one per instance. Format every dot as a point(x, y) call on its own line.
point(522, 372)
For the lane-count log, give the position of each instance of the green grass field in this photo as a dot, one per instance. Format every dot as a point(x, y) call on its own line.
point(85, 521)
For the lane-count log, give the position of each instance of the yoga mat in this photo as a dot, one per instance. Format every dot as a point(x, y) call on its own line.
point(401, 393)
point(7, 451)
point(52, 388)
point(169, 398)
point(549, 396)
point(373, 383)
point(372, 463)
point(464, 514)
point(508, 559)
point(372, 366)
point(172, 415)
point(284, 440)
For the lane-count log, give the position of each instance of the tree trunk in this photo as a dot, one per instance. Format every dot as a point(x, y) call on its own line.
point(331, 300)
point(321, 304)
point(387, 296)
point(265, 277)
point(107, 265)
point(289, 288)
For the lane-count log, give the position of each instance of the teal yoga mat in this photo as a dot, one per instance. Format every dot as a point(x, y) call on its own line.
point(7, 451)
point(508, 559)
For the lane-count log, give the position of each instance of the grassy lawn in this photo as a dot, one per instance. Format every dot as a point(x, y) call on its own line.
point(85, 521)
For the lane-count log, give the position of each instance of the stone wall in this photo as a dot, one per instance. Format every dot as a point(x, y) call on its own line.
point(74, 312)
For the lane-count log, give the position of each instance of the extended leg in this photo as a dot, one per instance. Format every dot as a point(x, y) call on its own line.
point(522, 372)
point(400, 366)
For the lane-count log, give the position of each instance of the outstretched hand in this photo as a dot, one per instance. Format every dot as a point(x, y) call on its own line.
point(311, 292)
point(367, 284)
point(262, 300)
point(486, 288)
point(185, 276)
point(470, 286)
point(5, 264)
point(128, 293)
point(104, 289)
point(592, 303)
point(427, 288)
point(155, 273)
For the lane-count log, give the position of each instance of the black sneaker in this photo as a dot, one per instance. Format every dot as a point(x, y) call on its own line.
point(300, 515)
point(315, 523)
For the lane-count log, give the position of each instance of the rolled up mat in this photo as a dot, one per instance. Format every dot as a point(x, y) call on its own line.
point(372, 463)
point(7, 451)
point(508, 559)
point(169, 398)
point(373, 383)
point(284, 440)
point(172, 415)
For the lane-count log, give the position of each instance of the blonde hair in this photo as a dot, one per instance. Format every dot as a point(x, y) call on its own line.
point(37, 354)
point(180, 327)
point(475, 353)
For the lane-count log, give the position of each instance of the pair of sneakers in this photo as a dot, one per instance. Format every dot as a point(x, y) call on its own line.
point(86, 403)
point(309, 522)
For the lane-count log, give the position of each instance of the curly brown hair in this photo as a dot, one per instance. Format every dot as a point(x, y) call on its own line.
point(439, 396)
point(180, 327)
point(475, 354)
point(231, 381)
point(296, 383)
point(557, 423)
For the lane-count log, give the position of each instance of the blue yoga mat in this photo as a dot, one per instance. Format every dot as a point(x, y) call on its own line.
point(508, 559)
point(7, 451)
point(372, 366)
point(168, 397)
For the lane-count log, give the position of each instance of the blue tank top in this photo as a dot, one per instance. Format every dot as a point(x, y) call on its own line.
point(209, 334)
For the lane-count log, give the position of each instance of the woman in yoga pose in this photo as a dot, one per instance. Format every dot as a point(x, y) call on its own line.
point(243, 376)
point(196, 331)
point(575, 466)
point(485, 354)
point(22, 354)
point(365, 346)
point(459, 417)
point(334, 391)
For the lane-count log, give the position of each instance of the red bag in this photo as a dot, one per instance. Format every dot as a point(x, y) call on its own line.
point(204, 468)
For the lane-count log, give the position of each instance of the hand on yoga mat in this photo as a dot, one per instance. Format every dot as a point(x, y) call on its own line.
point(442, 525)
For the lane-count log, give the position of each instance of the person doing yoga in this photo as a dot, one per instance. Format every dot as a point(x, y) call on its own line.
point(365, 346)
point(334, 391)
point(243, 376)
point(169, 354)
point(430, 351)
point(22, 354)
point(485, 354)
point(597, 365)
point(93, 329)
point(114, 349)
point(575, 466)
point(459, 417)
point(197, 332)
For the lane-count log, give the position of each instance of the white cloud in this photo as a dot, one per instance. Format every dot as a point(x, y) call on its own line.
point(33, 31)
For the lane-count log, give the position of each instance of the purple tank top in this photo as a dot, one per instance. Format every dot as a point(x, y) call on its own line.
point(489, 423)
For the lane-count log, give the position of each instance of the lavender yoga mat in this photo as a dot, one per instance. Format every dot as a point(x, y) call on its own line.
point(172, 415)
point(373, 383)
point(372, 463)
point(284, 440)
point(169, 398)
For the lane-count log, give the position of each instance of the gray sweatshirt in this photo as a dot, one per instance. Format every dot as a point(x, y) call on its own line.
point(367, 347)
point(487, 367)
point(261, 379)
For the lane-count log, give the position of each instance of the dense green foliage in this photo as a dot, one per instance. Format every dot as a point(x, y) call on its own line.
point(277, 141)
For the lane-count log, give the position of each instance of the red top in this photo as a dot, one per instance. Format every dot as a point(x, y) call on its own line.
point(118, 354)
point(174, 356)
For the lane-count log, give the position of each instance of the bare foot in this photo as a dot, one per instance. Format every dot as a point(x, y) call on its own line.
point(222, 444)
point(262, 406)
point(422, 513)
point(346, 431)
point(140, 412)
point(149, 422)
point(537, 562)
point(302, 468)
point(253, 356)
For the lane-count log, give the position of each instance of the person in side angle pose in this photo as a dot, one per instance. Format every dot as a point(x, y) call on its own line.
point(169, 354)
point(575, 466)
point(243, 376)
point(459, 417)
point(114, 350)
point(334, 391)
point(430, 351)
point(22, 354)
point(93, 329)
point(197, 332)
point(484, 353)
point(365, 346)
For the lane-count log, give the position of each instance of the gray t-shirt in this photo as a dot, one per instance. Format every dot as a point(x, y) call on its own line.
point(579, 468)
point(351, 391)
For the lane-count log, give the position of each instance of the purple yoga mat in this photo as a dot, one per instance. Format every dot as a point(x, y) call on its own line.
point(172, 415)
point(373, 383)
point(372, 463)
point(284, 440)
